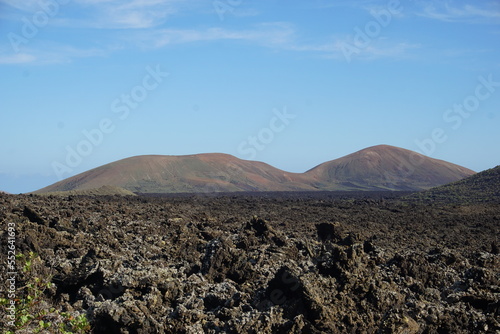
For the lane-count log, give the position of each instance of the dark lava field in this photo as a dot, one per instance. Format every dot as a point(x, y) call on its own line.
point(263, 263)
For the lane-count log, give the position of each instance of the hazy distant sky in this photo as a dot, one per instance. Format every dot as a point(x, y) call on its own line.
point(290, 83)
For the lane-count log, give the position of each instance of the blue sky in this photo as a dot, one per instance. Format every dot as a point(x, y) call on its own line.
point(290, 83)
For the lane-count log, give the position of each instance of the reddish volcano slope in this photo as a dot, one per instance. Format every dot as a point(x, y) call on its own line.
point(212, 172)
point(385, 167)
point(375, 168)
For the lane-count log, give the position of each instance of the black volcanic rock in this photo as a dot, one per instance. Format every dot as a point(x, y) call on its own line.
point(329, 231)
point(33, 216)
point(482, 187)
point(194, 264)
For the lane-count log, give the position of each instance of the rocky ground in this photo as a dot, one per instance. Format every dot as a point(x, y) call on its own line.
point(274, 263)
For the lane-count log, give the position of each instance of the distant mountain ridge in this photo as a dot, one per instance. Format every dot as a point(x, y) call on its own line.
point(381, 167)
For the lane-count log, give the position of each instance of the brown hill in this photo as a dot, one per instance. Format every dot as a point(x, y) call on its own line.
point(376, 168)
point(212, 172)
point(385, 167)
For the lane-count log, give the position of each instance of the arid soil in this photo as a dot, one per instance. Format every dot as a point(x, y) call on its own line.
point(265, 263)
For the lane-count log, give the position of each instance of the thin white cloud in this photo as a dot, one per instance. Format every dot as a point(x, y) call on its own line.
point(278, 36)
point(53, 54)
point(446, 10)
point(345, 49)
point(382, 10)
point(24, 5)
point(268, 34)
point(398, 50)
point(130, 14)
point(245, 12)
point(108, 14)
point(18, 58)
point(344, 3)
point(484, 12)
